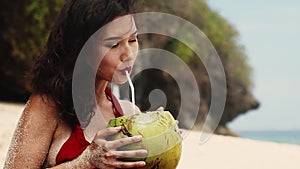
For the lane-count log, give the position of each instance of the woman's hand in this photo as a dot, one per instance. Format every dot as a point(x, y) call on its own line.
point(103, 154)
point(160, 108)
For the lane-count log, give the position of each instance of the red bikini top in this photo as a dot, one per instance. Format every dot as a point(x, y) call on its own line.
point(77, 143)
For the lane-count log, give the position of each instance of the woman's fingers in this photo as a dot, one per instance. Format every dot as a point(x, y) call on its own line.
point(160, 108)
point(135, 164)
point(124, 141)
point(114, 163)
point(126, 154)
point(104, 154)
point(102, 134)
point(111, 145)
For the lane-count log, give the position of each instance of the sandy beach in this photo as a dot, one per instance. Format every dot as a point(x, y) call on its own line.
point(219, 152)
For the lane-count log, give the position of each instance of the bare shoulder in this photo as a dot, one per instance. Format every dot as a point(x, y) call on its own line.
point(127, 107)
point(33, 134)
point(40, 111)
point(43, 105)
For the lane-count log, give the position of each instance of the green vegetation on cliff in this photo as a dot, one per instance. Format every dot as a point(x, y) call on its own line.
point(25, 25)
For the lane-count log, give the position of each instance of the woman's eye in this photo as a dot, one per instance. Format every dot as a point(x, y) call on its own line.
point(112, 46)
point(133, 40)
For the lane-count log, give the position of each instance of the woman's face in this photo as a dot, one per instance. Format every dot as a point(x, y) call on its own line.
point(119, 47)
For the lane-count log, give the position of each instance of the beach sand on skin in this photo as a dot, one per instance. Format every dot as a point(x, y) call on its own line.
point(9, 116)
point(219, 152)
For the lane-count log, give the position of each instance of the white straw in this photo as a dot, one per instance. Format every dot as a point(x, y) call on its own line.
point(132, 91)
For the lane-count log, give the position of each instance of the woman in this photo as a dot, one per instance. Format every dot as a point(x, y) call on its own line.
point(49, 134)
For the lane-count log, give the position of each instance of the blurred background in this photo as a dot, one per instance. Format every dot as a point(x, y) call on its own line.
point(256, 41)
point(270, 32)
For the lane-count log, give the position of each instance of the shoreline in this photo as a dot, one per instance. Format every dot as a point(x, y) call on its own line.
point(224, 152)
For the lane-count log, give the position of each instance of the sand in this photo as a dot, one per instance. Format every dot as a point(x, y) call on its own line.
point(9, 116)
point(219, 152)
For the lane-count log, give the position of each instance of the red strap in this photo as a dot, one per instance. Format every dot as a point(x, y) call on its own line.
point(73, 147)
point(77, 143)
point(117, 107)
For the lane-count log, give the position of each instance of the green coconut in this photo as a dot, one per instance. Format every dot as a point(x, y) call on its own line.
point(160, 134)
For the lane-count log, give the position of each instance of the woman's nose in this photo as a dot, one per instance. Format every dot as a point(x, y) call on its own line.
point(127, 53)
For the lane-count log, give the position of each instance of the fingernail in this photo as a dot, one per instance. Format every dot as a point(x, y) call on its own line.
point(118, 127)
point(144, 152)
point(142, 163)
point(138, 138)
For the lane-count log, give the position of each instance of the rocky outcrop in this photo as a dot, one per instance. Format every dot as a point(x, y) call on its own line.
point(19, 47)
point(239, 99)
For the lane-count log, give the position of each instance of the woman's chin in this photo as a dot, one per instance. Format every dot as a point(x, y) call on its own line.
point(119, 80)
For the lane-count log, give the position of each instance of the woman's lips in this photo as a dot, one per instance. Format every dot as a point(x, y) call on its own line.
point(123, 71)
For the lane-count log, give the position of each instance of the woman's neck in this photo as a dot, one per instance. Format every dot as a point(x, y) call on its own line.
point(101, 117)
point(100, 90)
point(103, 101)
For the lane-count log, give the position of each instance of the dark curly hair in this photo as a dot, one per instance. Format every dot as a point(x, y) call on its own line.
point(53, 69)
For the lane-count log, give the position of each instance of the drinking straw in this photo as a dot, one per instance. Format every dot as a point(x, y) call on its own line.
point(132, 91)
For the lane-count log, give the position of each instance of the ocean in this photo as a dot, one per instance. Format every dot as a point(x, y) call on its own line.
point(289, 137)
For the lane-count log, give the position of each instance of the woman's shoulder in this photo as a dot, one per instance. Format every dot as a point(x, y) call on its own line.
point(42, 107)
point(35, 132)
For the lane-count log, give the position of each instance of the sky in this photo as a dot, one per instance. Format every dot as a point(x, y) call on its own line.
point(270, 32)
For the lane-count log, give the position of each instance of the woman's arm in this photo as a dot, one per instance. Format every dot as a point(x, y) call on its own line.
point(103, 154)
point(33, 135)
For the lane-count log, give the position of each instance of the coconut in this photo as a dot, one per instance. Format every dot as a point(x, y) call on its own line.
point(161, 138)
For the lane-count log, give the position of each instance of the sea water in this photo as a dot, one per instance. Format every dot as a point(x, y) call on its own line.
point(289, 137)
